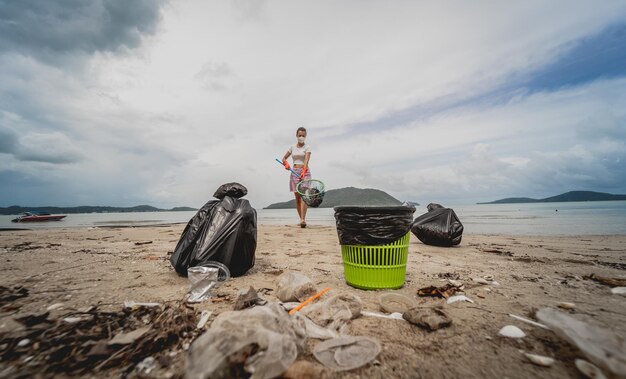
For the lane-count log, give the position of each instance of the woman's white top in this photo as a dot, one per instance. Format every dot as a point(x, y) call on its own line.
point(298, 153)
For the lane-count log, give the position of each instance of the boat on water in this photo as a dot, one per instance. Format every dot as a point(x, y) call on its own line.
point(33, 216)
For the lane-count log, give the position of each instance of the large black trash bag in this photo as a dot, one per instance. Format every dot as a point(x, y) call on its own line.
point(439, 227)
point(372, 225)
point(223, 231)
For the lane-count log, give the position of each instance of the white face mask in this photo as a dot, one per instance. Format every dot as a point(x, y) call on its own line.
point(301, 139)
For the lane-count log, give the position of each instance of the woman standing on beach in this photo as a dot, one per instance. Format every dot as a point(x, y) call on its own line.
point(300, 153)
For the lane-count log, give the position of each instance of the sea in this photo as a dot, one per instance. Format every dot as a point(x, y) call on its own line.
point(571, 218)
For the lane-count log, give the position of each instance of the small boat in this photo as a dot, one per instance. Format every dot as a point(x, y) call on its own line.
point(33, 216)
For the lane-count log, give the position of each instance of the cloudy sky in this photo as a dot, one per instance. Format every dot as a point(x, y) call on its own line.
point(115, 102)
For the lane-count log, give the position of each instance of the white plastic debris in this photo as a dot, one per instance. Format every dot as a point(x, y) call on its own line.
point(204, 317)
point(394, 315)
point(601, 346)
point(531, 322)
point(454, 299)
point(23, 342)
point(619, 291)
point(540, 360)
point(54, 306)
point(481, 281)
point(133, 304)
point(512, 331)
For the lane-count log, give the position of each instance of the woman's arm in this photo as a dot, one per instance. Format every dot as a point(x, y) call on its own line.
point(307, 156)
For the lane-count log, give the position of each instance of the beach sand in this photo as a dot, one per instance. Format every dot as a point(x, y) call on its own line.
point(106, 266)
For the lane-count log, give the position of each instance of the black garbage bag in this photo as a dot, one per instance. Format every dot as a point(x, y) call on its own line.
point(439, 227)
point(235, 190)
point(372, 225)
point(223, 231)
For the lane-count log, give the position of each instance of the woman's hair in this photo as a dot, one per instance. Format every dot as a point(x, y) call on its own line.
point(300, 129)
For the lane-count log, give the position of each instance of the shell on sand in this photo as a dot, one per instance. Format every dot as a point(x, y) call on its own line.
point(540, 360)
point(589, 369)
point(512, 331)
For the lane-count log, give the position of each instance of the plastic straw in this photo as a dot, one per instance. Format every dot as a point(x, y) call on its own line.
point(307, 301)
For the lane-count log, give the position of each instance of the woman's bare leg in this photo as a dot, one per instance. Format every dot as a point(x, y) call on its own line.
point(303, 210)
point(299, 203)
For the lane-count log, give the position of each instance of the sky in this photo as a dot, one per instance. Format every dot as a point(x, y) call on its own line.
point(121, 103)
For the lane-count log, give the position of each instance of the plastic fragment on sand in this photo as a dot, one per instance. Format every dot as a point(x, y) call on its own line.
point(619, 291)
point(454, 299)
point(204, 317)
point(54, 306)
point(130, 304)
point(512, 331)
point(540, 360)
point(347, 353)
point(601, 346)
point(531, 322)
point(589, 370)
point(393, 316)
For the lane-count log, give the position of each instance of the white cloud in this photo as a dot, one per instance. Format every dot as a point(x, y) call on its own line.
point(217, 93)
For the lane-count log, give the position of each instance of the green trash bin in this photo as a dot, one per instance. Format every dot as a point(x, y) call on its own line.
point(376, 267)
point(374, 245)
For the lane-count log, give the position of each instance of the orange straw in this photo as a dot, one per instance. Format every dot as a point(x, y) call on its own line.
point(307, 301)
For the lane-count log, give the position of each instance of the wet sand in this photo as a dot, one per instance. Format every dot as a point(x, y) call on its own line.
point(106, 266)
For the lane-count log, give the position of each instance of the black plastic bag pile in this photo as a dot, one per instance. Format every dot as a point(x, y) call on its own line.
point(222, 230)
point(372, 225)
point(439, 227)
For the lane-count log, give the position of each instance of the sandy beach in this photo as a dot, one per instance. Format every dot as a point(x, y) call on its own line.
point(79, 268)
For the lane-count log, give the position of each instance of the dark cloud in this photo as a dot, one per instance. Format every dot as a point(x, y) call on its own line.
point(8, 141)
point(44, 29)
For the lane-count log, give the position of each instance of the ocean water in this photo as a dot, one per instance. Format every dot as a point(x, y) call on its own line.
point(575, 218)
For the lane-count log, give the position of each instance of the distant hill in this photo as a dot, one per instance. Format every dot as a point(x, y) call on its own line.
point(565, 197)
point(16, 209)
point(347, 196)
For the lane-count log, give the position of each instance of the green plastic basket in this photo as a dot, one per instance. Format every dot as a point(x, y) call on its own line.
point(376, 267)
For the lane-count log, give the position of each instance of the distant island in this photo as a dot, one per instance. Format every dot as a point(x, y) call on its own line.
point(16, 209)
point(347, 196)
point(565, 197)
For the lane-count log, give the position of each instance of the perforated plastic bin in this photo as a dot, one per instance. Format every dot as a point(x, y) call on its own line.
point(376, 267)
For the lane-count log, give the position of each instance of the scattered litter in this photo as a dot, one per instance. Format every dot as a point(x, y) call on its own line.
point(618, 291)
point(566, 305)
point(73, 320)
point(55, 306)
point(24, 342)
point(81, 348)
point(139, 243)
point(248, 299)
point(130, 304)
point(481, 281)
point(531, 322)
point(489, 278)
point(395, 302)
point(130, 337)
point(512, 331)
point(540, 360)
point(454, 299)
point(590, 370)
point(427, 318)
point(601, 346)
point(394, 315)
point(289, 305)
point(203, 279)
point(293, 286)
point(444, 291)
point(262, 341)
point(204, 318)
point(347, 352)
point(449, 275)
point(309, 300)
point(146, 366)
point(612, 282)
point(335, 312)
